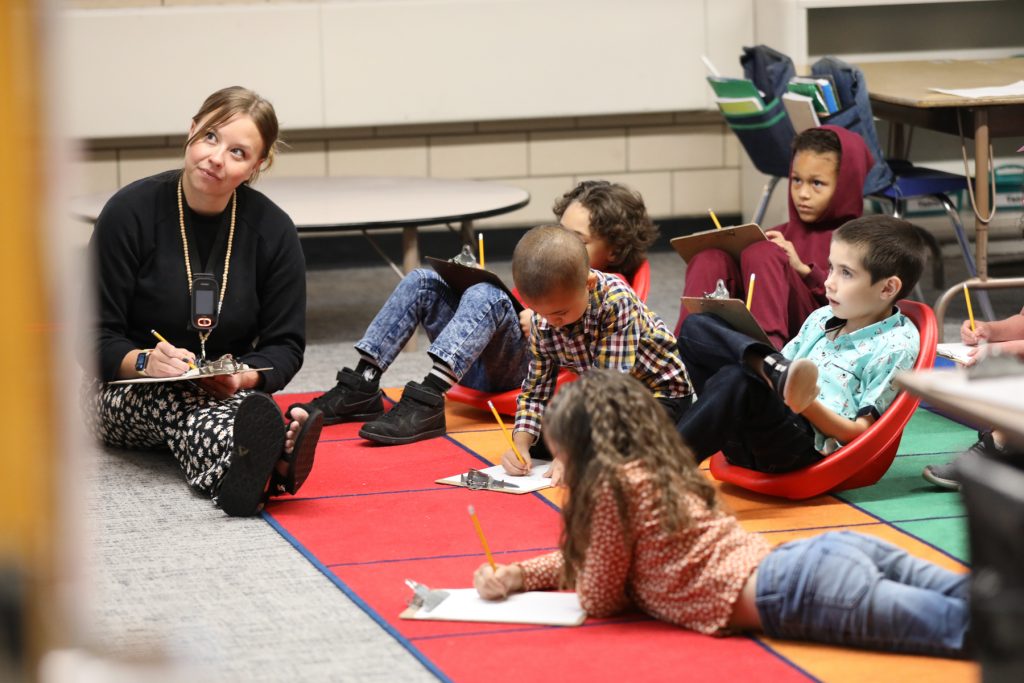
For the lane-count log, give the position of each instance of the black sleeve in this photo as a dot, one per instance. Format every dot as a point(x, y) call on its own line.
point(281, 281)
point(115, 249)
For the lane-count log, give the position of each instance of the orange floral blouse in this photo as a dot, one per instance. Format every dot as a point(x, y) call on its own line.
point(691, 578)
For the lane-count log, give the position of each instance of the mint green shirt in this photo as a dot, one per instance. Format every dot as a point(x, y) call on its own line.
point(855, 371)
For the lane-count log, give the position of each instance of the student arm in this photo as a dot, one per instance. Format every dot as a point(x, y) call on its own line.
point(1009, 329)
point(601, 583)
point(537, 390)
point(835, 425)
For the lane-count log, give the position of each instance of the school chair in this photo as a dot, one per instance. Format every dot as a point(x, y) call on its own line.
point(861, 462)
point(766, 135)
point(505, 401)
point(893, 180)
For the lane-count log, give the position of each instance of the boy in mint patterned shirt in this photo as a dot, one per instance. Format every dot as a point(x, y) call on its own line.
point(777, 412)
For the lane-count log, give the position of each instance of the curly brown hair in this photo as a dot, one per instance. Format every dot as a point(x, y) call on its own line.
point(619, 217)
point(603, 421)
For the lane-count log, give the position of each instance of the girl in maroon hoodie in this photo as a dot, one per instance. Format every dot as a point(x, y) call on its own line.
point(826, 184)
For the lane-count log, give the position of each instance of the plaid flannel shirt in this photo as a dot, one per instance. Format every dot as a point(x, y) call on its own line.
point(617, 331)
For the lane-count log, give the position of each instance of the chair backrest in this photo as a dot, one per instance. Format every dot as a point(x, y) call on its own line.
point(641, 283)
point(861, 462)
point(855, 115)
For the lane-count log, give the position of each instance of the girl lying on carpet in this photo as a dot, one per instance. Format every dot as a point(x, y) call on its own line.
point(643, 529)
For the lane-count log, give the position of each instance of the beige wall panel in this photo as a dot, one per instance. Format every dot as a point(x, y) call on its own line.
point(300, 159)
point(146, 71)
point(694, 192)
point(652, 149)
point(590, 151)
point(733, 150)
point(543, 192)
point(478, 156)
point(377, 156)
point(94, 172)
point(141, 163)
point(656, 189)
point(485, 60)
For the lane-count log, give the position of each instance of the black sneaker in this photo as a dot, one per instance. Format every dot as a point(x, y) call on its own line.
point(352, 399)
point(419, 415)
point(796, 382)
point(948, 476)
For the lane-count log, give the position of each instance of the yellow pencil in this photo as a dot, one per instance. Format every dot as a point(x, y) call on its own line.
point(483, 541)
point(161, 338)
point(480, 249)
point(750, 291)
point(715, 219)
point(507, 435)
point(970, 311)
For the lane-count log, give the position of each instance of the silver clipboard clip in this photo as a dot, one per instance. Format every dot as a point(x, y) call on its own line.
point(477, 480)
point(423, 597)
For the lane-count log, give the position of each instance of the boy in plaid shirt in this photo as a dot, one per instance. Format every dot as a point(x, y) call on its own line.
point(584, 319)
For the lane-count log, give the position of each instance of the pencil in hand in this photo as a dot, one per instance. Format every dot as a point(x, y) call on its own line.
point(160, 337)
point(970, 310)
point(718, 226)
point(750, 291)
point(507, 435)
point(483, 540)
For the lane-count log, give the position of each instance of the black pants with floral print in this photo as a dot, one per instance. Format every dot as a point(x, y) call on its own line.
point(197, 428)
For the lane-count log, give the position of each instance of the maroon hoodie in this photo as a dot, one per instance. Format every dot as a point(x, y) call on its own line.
point(811, 240)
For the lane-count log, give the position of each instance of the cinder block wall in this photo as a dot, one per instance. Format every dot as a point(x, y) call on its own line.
point(683, 163)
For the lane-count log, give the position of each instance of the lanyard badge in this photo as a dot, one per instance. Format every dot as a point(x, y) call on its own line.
point(204, 301)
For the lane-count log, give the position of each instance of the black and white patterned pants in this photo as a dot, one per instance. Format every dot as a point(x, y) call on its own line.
point(197, 428)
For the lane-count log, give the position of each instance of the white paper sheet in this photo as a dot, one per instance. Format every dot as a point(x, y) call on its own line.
point(1011, 90)
point(535, 607)
point(956, 351)
point(535, 481)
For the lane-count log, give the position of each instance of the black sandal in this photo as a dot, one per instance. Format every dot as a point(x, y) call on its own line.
point(259, 440)
point(300, 460)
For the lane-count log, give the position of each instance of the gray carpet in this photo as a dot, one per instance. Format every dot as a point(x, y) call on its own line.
point(230, 598)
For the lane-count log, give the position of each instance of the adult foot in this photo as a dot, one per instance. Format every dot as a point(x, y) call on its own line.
point(305, 423)
point(352, 399)
point(419, 415)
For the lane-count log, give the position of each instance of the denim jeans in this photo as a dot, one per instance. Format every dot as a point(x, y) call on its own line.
point(736, 411)
point(847, 588)
point(476, 335)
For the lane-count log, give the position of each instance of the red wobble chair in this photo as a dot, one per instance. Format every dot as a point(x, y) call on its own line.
point(861, 462)
point(505, 401)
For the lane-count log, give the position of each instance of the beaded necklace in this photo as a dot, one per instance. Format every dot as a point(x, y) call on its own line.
point(203, 336)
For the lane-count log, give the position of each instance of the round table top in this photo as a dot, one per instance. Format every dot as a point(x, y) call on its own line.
point(366, 201)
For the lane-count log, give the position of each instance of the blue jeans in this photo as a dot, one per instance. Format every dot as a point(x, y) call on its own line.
point(476, 335)
point(847, 588)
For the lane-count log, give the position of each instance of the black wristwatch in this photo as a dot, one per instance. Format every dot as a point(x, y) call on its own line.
point(140, 362)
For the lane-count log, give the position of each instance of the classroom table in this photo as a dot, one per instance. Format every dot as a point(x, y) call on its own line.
point(900, 93)
point(321, 205)
point(995, 402)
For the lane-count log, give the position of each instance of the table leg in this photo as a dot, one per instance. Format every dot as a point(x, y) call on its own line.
point(981, 190)
point(410, 262)
point(466, 230)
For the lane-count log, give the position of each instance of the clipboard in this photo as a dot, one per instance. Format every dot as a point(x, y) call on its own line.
point(733, 311)
point(535, 481)
point(732, 240)
point(460, 278)
point(189, 375)
point(543, 608)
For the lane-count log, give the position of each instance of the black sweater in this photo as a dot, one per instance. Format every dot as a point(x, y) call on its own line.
point(140, 269)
